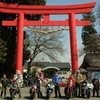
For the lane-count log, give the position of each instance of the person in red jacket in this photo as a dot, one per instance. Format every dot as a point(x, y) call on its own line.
point(72, 82)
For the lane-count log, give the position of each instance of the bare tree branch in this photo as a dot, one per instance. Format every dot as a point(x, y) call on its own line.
point(51, 45)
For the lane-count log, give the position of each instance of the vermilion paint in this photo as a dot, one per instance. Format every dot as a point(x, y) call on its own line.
point(71, 10)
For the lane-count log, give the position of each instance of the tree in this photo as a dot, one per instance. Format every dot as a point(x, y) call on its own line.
point(3, 54)
point(93, 44)
point(98, 17)
point(8, 34)
point(2, 51)
point(46, 45)
point(88, 29)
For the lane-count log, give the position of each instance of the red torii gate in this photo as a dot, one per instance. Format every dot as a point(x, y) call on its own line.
point(20, 22)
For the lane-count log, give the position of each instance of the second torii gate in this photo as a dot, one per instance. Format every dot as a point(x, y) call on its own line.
point(20, 22)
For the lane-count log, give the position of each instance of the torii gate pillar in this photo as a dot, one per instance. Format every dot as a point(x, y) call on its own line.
point(73, 42)
point(20, 40)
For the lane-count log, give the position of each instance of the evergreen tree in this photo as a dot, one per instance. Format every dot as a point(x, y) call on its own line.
point(93, 44)
point(8, 34)
point(87, 30)
point(98, 17)
point(2, 51)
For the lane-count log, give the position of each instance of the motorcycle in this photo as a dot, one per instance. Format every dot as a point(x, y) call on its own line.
point(49, 89)
point(35, 88)
point(14, 89)
point(86, 89)
point(68, 91)
point(33, 91)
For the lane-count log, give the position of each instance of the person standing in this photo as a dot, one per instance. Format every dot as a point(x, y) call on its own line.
point(4, 82)
point(38, 81)
point(79, 80)
point(56, 79)
point(19, 82)
point(72, 81)
point(25, 78)
point(95, 82)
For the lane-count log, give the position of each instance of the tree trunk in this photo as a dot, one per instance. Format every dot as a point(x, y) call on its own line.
point(29, 69)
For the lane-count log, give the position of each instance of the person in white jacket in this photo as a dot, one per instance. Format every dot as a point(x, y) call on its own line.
point(19, 82)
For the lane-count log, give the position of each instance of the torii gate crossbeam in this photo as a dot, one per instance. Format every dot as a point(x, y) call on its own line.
point(20, 22)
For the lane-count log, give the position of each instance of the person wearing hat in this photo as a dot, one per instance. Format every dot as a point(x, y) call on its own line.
point(79, 80)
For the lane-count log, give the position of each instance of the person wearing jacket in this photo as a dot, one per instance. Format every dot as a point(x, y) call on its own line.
point(4, 82)
point(19, 82)
point(38, 81)
point(56, 79)
point(95, 82)
point(79, 80)
point(72, 82)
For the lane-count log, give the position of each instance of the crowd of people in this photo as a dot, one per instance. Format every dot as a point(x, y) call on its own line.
point(75, 82)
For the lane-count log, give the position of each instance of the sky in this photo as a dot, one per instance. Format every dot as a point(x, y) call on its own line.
point(67, 57)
